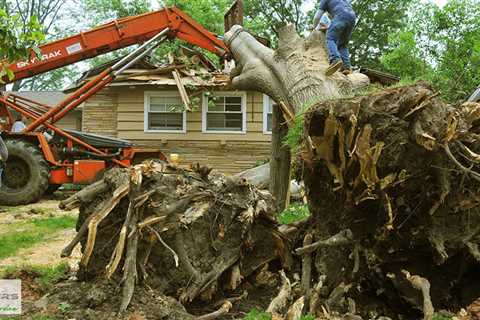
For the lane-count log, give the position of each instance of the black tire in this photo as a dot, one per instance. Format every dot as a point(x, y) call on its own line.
point(52, 188)
point(25, 178)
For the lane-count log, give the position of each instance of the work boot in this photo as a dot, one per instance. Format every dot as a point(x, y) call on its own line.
point(334, 67)
point(346, 71)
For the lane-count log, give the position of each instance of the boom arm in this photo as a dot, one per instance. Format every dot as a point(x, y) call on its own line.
point(116, 35)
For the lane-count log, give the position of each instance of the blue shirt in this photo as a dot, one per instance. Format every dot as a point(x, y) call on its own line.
point(338, 8)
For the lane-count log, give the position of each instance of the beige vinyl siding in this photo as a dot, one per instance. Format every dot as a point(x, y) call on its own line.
point(100, 114)
point(130, 117)
point(226, 152)
point(72, 121)
point(231, 158)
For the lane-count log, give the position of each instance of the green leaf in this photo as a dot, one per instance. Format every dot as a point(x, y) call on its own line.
point(10, 74)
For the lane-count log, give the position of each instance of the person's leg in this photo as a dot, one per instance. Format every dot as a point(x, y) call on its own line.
point(344, 39)
point(333, 38)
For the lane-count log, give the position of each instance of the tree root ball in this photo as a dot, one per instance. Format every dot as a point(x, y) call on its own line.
point(398, 169)
point(186, 232)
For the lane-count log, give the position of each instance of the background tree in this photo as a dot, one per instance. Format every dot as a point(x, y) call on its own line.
point(102, 11)
point(17, 38)
point(441, 45)
point(376, 20)
point(265, 17)
point(49, 15)
point(97, 12)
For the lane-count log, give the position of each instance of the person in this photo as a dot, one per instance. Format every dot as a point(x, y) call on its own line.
point(19, 125)
point(338, 34)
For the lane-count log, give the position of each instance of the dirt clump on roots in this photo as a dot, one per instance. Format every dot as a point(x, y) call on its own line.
point(190, 234)
point(394, 176)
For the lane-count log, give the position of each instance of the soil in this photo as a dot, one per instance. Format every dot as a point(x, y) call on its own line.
point(99, 300)
point(47, 252)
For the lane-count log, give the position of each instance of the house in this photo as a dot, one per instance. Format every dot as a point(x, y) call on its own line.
point(72, 120)
point(228, 130)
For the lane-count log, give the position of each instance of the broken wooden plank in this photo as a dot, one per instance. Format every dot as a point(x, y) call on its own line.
point(181, 87)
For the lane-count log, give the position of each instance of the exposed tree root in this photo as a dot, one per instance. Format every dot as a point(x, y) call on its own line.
point(176, 224)
point(279, 303)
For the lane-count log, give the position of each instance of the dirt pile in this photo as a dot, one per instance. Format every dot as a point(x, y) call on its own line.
point(394, 176)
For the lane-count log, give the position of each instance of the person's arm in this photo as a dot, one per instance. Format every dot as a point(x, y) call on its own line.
point(319, 14)
point(317, 18)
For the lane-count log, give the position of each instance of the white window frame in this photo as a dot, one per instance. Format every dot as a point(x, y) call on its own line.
point(266, 105)
point(146, 100)
point(241, 94)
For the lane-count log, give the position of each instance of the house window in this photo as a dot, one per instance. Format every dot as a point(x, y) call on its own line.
point(268, 105)
point(224, 112)
point(164, 112)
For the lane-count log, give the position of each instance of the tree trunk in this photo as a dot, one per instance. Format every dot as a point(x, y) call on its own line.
point(280, 161)
point(294, 74)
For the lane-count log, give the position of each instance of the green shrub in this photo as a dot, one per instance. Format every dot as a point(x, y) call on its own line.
point(257, 315)
point(295, 212)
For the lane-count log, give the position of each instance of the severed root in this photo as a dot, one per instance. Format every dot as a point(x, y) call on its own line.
point(83, 196)
point(295, 311)
point(74, 201)
point(174, 254)
point(306, 271)
point(130, 266)
point(67, 251)
point(109, 205)
point(474, 251)
point(280, 301)
point(306, 265)
point(340, 239)
point(130, 273)
point(473, 174)
point(337, 295)
point(224, 309)
point(423, 285)
point(315, 296)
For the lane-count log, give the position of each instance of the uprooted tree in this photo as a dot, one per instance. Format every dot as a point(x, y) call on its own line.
point(391, 176)
point(392, 185)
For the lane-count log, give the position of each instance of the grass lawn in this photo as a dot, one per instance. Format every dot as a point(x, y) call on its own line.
point(26, 234)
